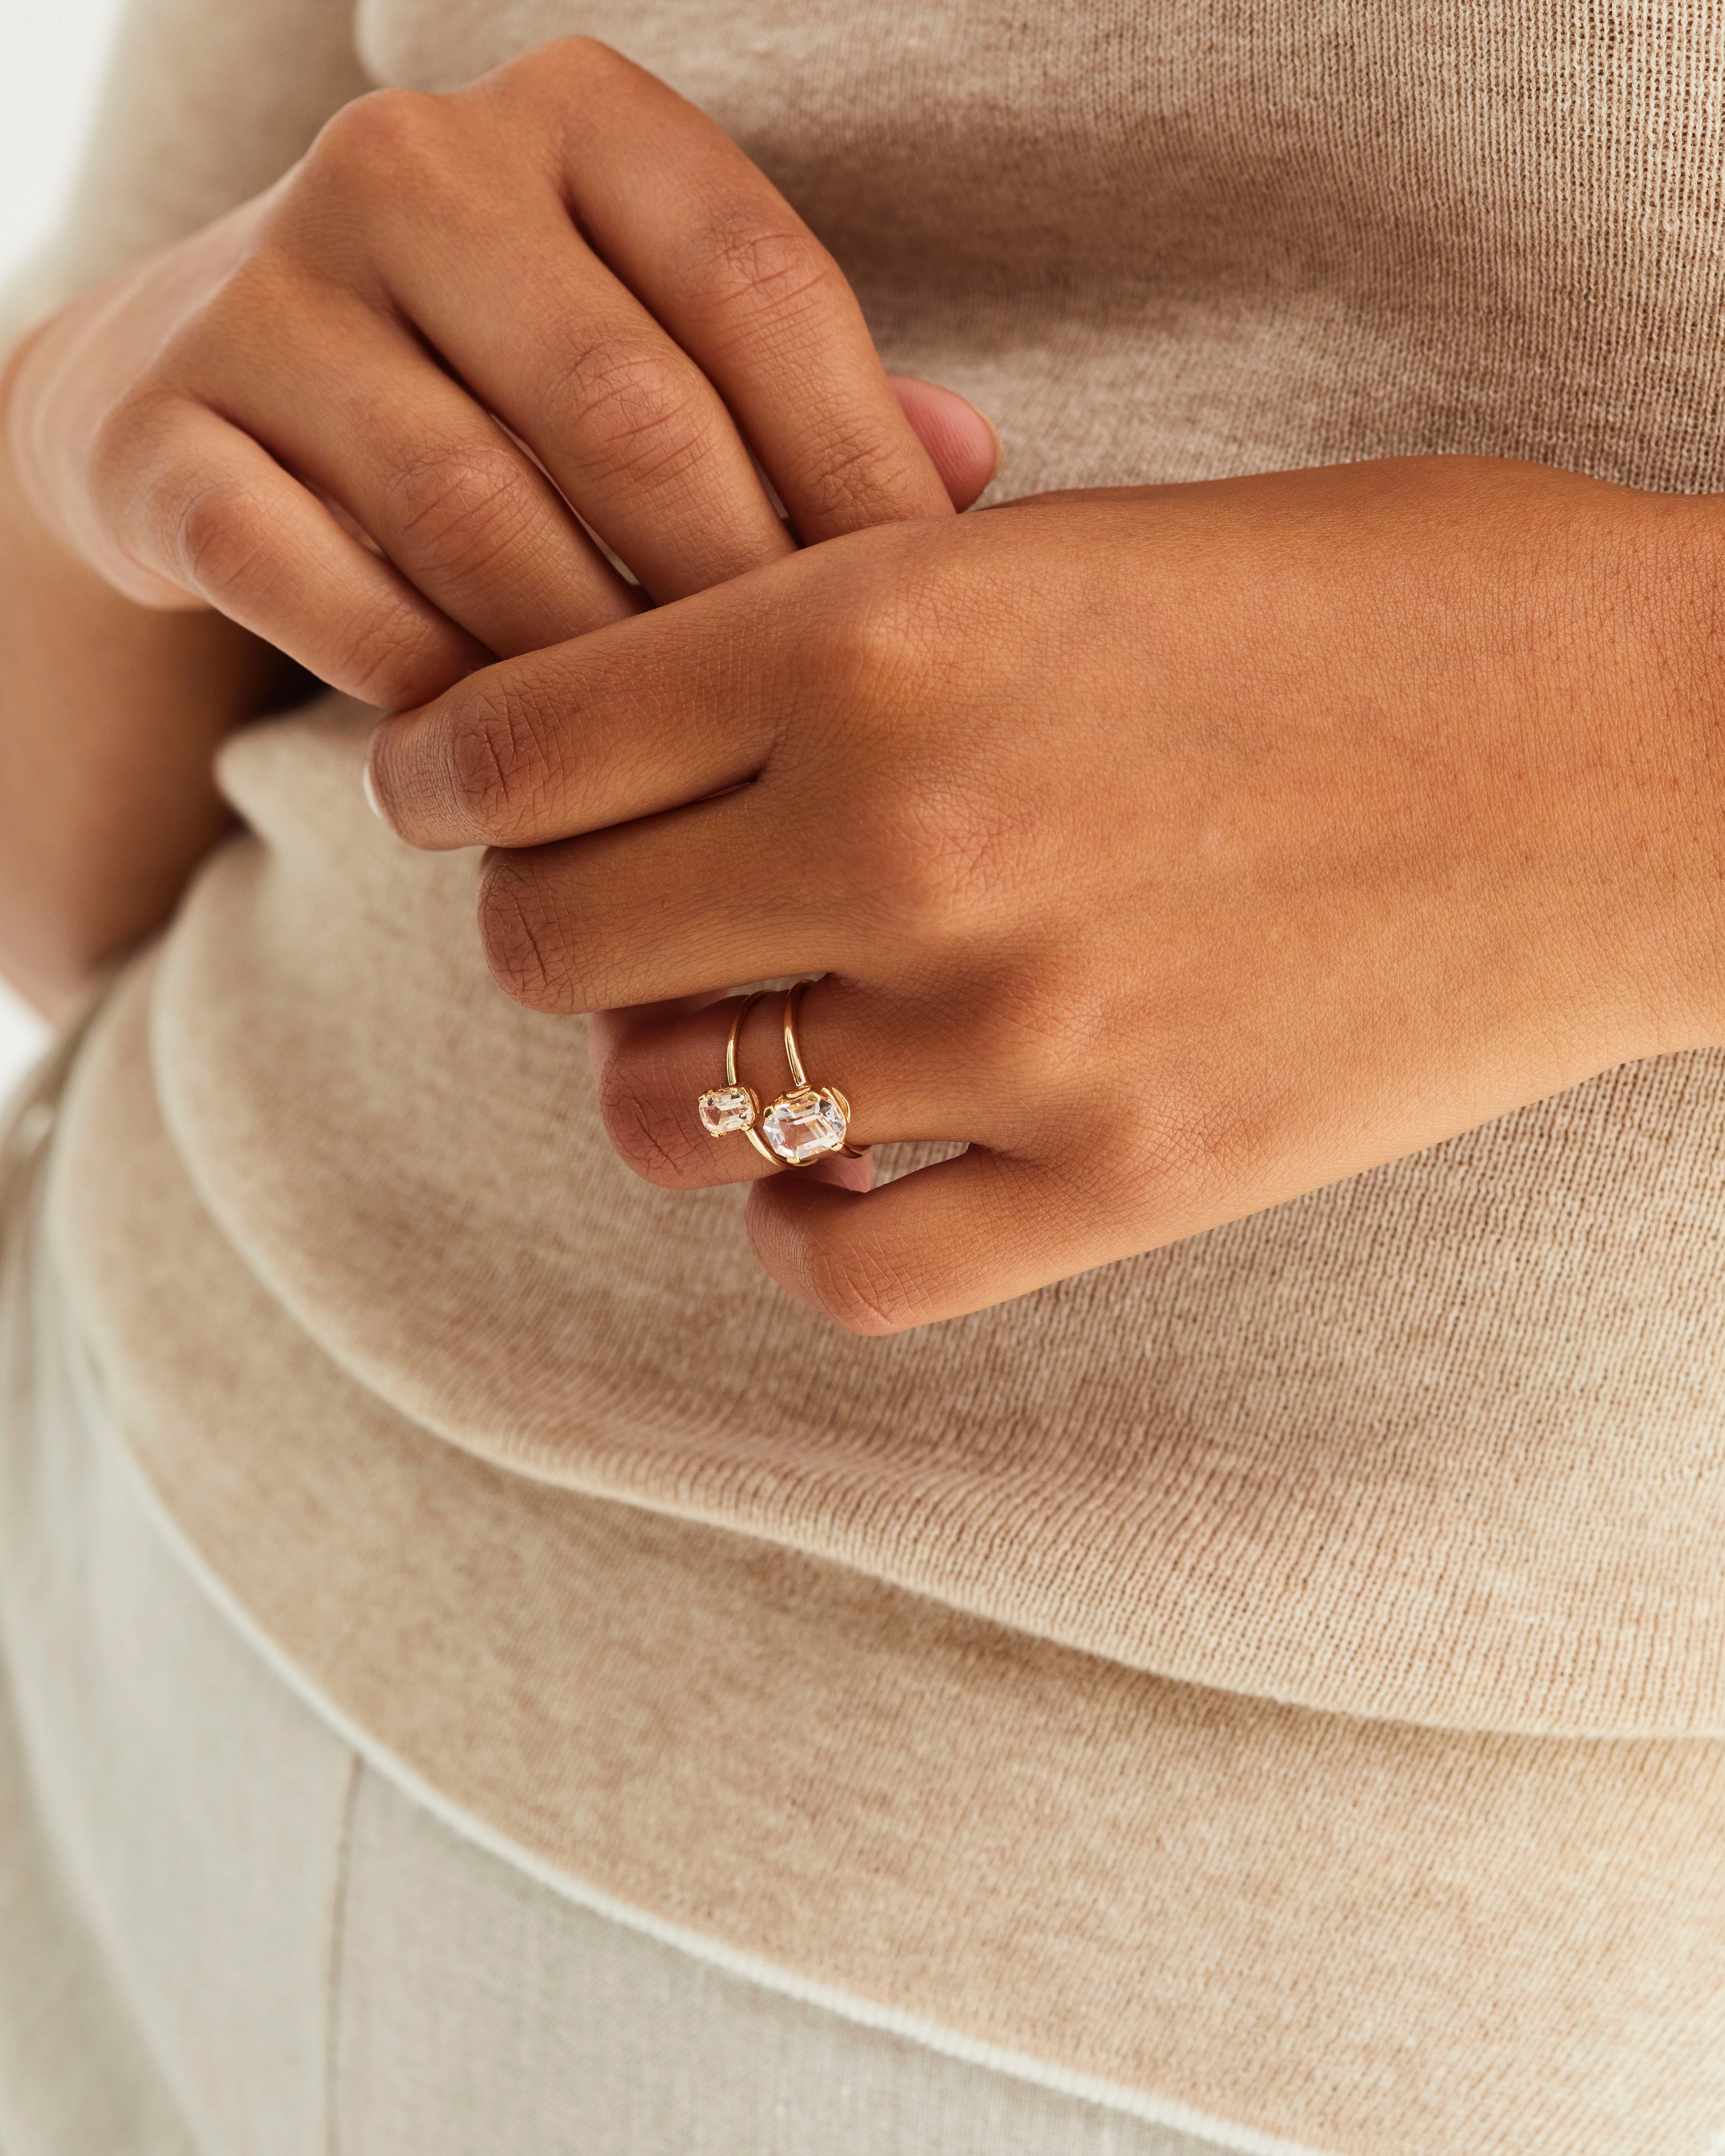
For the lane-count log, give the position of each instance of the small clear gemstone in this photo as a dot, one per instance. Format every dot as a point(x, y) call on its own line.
point(802, 1126)
point(726, 1108)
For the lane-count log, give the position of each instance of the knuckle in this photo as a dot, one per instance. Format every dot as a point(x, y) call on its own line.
point(496, 764)
point(521, 931)
point(860, 473)
point(216, 536)
point(876, 637)
point(637, 413)
point(862, 1289)
point(649, 1129)
point(461, 505)
point(553, 88)
point(578, 56)
point(383, 661)
point(937, 849)
point(939, 864)
point(373, 136)
point(132, 469)
point(126, 443)
point(741, 265)
point(919, 849)
point(1033, 1030)
point(931, 858)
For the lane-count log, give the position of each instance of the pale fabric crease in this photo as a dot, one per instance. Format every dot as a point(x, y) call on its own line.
point(1077, 1675)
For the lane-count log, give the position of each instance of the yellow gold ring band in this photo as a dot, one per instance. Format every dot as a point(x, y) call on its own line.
point(805, 1124)
point(809, 1122)
point(733, 1105)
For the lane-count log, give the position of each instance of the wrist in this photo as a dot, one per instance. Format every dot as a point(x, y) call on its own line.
point(21, 492)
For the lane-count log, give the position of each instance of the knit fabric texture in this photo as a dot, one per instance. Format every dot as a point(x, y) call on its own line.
point(1440, 1450)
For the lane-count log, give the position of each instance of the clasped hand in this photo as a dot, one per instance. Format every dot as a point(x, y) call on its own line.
point(1174, 850)
point(1178, 849)
point(376, 414)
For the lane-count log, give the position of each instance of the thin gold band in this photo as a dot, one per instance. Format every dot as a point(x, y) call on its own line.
point(808, 1124)
point(737, 1017)
point(799, 1076)
point(792, 1053)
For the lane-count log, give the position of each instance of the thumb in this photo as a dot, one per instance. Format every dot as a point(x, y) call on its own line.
point(962, 445)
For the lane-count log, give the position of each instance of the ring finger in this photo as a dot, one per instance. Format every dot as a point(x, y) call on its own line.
point(654, 1064)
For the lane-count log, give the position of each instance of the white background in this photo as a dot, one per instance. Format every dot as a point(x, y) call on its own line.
point(51, 55)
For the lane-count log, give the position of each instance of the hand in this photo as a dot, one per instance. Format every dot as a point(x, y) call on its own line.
point(1181, 849)
point(356, 414)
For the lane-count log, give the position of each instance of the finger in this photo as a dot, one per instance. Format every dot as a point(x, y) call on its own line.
point(747, 290)
point(212, 512)
point(460, 509)
point(644, 912)
point(625, 423)
point(653, 1064)
point(644, 716)
point(950, 1239)
point(963, 444)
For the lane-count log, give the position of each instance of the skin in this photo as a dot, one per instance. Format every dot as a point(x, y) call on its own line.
point(1178, 849)
point(371, 418)
point(109, 717)
point(1181, 849)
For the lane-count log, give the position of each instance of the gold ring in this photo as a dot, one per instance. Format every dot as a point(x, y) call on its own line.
point(809, 1122)
point(733, 1106)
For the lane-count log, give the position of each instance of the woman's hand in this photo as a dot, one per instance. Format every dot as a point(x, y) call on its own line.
point(355, 414)
point(1181, 850)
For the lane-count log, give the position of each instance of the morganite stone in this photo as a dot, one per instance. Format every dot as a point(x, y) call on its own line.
point(726, 1108)
point(802, 1126)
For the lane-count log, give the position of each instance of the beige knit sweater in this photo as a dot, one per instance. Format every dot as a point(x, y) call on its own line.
point(1287, 1670)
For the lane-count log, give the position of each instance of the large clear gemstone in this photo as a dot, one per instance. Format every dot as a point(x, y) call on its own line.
point(726, 1108)
point(801, 1127)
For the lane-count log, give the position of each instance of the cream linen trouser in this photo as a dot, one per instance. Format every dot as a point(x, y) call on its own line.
point(226, 1931)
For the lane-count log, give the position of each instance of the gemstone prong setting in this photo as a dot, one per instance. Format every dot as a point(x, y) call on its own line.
point(727, 1108)
point(806, 1124)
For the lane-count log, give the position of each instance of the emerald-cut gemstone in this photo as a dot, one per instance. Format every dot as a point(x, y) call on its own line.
point(801, 1126)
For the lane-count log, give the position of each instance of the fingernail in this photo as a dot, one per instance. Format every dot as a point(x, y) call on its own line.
point(370, 786)
point(944, 421)
point(999, 446)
